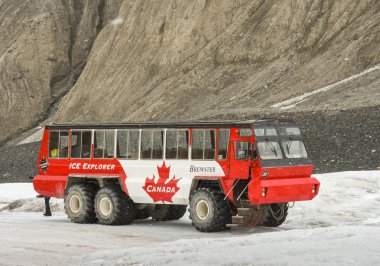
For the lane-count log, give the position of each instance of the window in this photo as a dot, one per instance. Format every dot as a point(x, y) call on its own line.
point(294, 149)
point(152, 144)
point(289, 131)
point(269, 150)
point(177, 142)
point(104, 143)
point(128, 144)
point(245, 132)
point(242, 150)
point(267, 131)
point(203, 144)
point(80, 144)
point(58, 144)
point(223, 140)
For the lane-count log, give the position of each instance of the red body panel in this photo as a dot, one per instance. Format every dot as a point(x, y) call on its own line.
point(51, 186)
point(283, 190)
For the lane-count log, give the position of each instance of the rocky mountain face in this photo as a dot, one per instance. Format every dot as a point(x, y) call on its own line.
point(96, 60)
point(44, 47)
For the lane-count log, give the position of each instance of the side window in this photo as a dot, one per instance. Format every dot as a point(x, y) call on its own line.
point(76, 142)
point(177, 142)
point(110, 144)
point(223, 140)
point(209, 150)
point(197, 144)
point(203, 144)
point(127, 144)
point(242, 150)
point(104, 144)
point(99, 143)
point(58, 144)
point(86, 144)
point(152, 144)
point(53, 144)
point(80, 144)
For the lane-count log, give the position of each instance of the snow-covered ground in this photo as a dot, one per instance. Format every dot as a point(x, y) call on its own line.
point(340, 226)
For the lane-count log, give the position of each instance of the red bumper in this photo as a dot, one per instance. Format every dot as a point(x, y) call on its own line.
point(51, 186)
point(283, 190)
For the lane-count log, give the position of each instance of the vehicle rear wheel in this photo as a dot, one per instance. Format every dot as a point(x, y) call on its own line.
point(114, 207)
point(142, 214)
point(175, 212)
point(79, 203)
point(209, 212)
point(274, 214)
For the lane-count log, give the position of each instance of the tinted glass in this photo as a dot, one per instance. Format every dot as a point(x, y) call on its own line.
point(269, 150)
point(121, 144)
point(63, 144)
point(146, 144)
point(197, 144)
point(53, 144)
point(267, 131)
point(86, 144)
point(76, 140)
point(294, 149)
point(177, 144)
point(223, 140)
point(158, 143)
point(242, 150)
point(289, 131)
point(133, 144)
point(209, 150)
point(110, 144)
point(99, 144)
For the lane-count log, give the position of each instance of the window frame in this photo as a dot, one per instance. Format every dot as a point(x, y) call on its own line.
point(204, 142)
point(59, 142)
point(152, 138)
point(228, 143)
point(71, 140)
point(128, 130)
point(105, 143)
point(188, 142)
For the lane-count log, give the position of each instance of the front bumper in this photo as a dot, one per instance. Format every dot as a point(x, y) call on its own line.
point(283, 190)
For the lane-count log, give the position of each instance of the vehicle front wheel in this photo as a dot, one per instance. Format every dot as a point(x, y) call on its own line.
point(274, 214)
point(209, 212)
point(79, 203)
point(114, 207)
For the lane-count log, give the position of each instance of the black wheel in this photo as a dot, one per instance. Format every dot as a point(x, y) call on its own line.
point(79, 203)
point(175, 212)
point(274, 214)
point(142, 214)
point(158, 212)
point(114, 207)
point(209, 212)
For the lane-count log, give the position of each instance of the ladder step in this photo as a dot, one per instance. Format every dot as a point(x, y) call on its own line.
point(243, 209)
point(232, 225)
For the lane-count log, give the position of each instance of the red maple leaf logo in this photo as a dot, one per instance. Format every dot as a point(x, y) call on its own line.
point(163, 190)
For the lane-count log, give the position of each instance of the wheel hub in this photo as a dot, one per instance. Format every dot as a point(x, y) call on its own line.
point(105, 206)
point(202, 209)
point(75, 204)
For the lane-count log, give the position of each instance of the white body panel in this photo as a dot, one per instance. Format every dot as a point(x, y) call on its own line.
point(137, 171)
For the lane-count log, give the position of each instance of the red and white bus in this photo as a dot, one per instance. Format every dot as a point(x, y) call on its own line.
point(230, 173)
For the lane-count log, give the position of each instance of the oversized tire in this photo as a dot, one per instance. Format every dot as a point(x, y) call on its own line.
point(175, 212)
point(274, 214)
point(209, 212)
point(114, 207)
point(158, 212)
point(79, 203)
point(142, 214)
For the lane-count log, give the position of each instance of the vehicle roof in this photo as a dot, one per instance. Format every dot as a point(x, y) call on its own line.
point(191, 124)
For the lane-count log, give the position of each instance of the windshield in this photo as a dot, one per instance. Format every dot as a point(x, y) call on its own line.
point(294, 149)
point(288, 131)
point(269, 150)
point(267, 131)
